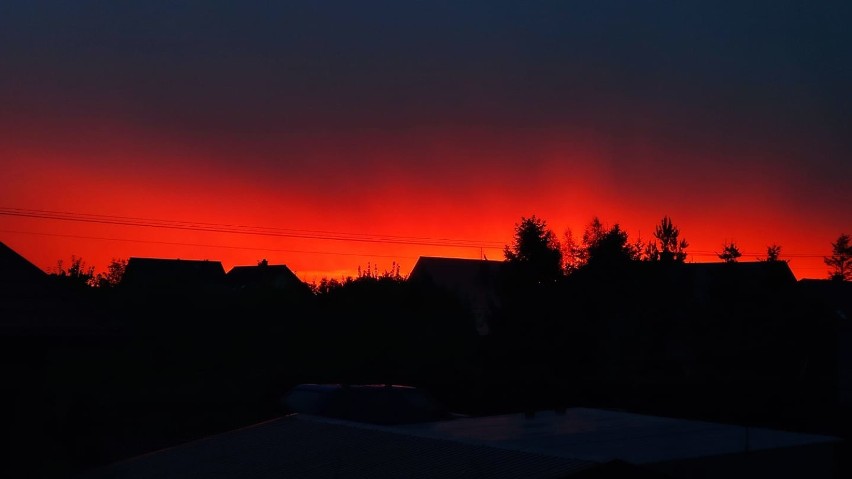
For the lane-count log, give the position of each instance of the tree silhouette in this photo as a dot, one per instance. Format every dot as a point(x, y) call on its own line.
point(730, 253)
point(77, 273)
point(773, 253)
point(592, 234)
point(535, 251)
point(840, 261)
point(572, 253)
point(372, 273)
point(112, 276)
point(667, 246)
point(576, 254)
point(609, 246)
point(601, 245)
point(327, 285)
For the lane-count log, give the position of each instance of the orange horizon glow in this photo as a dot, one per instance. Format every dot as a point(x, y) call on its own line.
point(441, 192)
point(311, 260)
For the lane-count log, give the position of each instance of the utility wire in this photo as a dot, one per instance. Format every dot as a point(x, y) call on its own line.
point(243, 229)
point(201, 245)
point(289, 232)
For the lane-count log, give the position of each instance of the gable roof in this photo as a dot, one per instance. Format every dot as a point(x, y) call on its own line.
point(746, 273)
point(16, 272)
point(172, 273)
point(272, 276)
point(703, 281)
point(746, 281)
point(456, 273)
point(474, 281)
point(32, 305)
point(310, 446)
point(579, 442)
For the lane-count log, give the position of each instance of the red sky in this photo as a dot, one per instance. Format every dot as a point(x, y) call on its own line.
point(564, 181)
point(425, 122)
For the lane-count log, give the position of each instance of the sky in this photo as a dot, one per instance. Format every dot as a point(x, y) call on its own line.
point(329, 135)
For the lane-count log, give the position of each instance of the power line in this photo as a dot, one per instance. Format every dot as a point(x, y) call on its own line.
point(289, 232)
point(102, 217)
point(244, 229)
point(202, 245)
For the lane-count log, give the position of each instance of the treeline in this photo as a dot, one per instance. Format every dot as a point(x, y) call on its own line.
point(593, 320)
point(600, 319)
point(535, 243)
point(538, 248)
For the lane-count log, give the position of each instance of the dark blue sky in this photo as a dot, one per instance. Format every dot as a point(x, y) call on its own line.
point(389, 64)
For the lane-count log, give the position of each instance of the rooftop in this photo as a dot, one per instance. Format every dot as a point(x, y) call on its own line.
point(546, 445)
point(603, 435)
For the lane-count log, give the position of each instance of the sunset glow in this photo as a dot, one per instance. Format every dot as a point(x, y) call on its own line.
point(157, 114)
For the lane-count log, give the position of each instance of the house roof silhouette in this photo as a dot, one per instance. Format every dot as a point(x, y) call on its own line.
point(33, 305)
point(17, 273)
point(747, 274)
point(314, 447)
point(746, 280)
point(172, 273)
point(455, 271)
point(475, 281)
point(700, 281)
point(265, 276)
point(579, 442)
point(28, 298)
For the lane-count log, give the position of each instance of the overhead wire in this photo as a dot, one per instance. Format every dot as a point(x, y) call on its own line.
point(201, 245)
point(245, 229)
point(283, 232)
